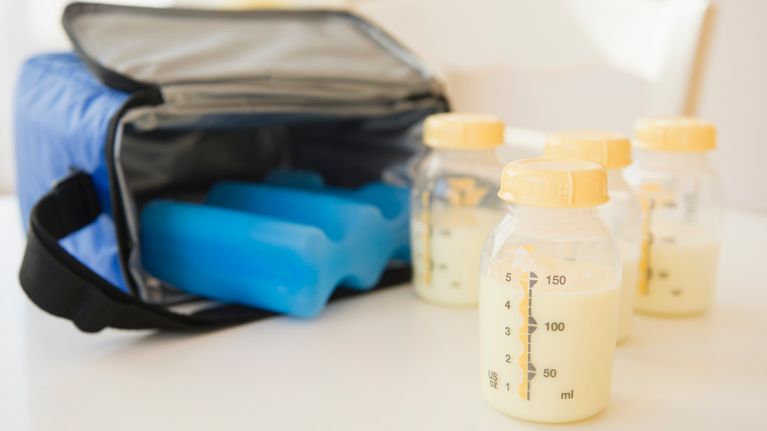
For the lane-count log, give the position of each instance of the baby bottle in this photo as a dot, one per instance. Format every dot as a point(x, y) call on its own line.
point(682, 204)
point(549, 293)
point(453, 205)
point(622, 213)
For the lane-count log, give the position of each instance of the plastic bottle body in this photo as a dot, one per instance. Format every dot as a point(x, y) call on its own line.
point(682, 204)
point(548, 314)
point(453, 209)
point(623, 216)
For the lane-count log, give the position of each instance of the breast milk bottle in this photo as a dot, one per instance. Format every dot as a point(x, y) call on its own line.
point(622, 213)
point(682, 202)
point(454, 206)
point(549, 292)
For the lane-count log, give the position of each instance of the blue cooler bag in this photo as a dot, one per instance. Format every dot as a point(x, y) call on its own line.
point(161, 104)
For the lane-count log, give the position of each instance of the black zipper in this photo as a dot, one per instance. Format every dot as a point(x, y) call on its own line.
point(150, 96)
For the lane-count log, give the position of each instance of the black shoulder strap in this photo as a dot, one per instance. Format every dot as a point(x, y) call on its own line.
point(61, 285)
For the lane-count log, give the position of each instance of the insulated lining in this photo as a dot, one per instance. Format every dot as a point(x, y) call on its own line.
point(166, 47)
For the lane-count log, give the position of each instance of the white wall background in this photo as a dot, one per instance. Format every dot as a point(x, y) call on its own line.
point(734, 88)
point(735, 98)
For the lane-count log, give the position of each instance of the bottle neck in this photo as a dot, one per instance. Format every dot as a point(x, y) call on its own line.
point(483, 163)
point(673, 160)
point(554, 216)
point(555, 224)
point(479, 154)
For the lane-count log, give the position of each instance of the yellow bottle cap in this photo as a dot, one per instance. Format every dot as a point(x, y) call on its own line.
point(610, 150)
point(554, 183)
point(463, 131)
point(679, 134)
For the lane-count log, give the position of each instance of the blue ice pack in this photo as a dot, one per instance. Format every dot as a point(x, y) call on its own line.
point(277, 247)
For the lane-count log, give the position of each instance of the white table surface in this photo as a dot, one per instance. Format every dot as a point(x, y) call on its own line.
point(383, 362)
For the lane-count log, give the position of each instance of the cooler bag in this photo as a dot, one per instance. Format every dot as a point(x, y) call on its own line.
point(164, 103)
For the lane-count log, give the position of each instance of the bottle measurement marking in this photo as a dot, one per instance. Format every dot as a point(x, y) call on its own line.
point(653, 196)
point(648, 205)
point(462, 192)
point(426, 239)
point(529, 325)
